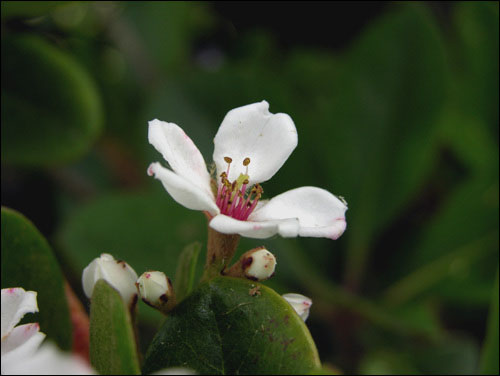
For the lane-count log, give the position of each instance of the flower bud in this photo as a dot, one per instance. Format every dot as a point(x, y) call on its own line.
point(257, 264)
point(156, 290)
point(116, 272)
point(299, 303)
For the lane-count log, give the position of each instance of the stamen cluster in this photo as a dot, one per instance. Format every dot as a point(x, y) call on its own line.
point(231, 198)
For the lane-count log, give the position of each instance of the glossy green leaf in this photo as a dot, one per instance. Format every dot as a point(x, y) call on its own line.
point(226, 327)
point(112, 343)
point(51, 114)
point(489, 357)
point(28, 262)
point(186, 270)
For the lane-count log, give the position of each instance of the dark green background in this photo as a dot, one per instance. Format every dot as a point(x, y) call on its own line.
point(396, 107)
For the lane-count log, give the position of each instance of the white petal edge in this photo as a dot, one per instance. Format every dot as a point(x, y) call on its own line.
point(49, 360)
point(320, 213)
point(180, 152)
point(16, 302)
point(22, 343)
point(257, 230)
point(182, 190)
point(300, 303)
point(253, 132)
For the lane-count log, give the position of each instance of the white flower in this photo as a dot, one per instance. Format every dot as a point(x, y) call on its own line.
point(117, 273)
point(300, 303)
point(251, 145)
point(21, 351)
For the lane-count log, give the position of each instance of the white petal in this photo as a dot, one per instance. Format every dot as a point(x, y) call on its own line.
point(180, 152)
point(182, 191)
point(22, 342)
point(320, 213)
point(300, 303)
point(48, 360)
point(116, 272)
point(253, 132)
point(175, 371)
point(257, 230)
point(15, 304)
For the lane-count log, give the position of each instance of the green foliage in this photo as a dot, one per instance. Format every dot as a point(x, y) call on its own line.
point(402, 121)
point(112, 342)
point(148, 230)
point(51, 114)
point(227, 327)
point(186, 270)
point(489, 357)
point(390, 89)
point(27, 9)
point(28, 262)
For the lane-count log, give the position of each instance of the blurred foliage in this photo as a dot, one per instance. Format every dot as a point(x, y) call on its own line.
point(402, 122)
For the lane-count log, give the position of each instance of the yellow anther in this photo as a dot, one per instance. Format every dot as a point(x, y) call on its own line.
point(228, 160)
point(246, 161)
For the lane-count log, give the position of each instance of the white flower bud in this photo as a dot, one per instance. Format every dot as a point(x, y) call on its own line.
point(116, 272)
point(156, 290)
point(259, 264)
point(300, 304)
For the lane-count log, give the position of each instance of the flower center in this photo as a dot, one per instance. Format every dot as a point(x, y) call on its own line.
point(232, 197)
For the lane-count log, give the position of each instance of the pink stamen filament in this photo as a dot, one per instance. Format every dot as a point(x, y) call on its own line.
point(231, 201)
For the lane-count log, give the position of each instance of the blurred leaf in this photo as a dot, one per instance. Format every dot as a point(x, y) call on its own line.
point(477, 61)
point(147, 230)
point(186, 270)
point(112, 342)
point(461, 260)
point(26, 9)
point(28, 262)
point(166, 29)
point(386, 362)
point(450, 356)
point(380, 146)
point(489, 356)
point(222, 328)
point(455, 355)
point(50, 114)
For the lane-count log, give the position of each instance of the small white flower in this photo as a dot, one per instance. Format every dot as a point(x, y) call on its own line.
point(300, 303)
point(251, 145)
point(21, 351)
point(117, 273)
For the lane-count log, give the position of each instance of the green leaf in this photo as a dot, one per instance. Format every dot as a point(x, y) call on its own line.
point(186, 270)
point(388, 96)
point(477, 61)
point(28, 262)
point(112, 343)
point(51, 111)
point(489, 356)
point(27, 9)
point(226, 328)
